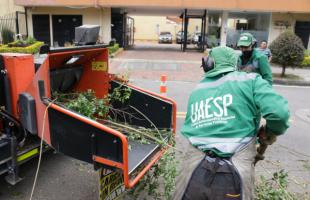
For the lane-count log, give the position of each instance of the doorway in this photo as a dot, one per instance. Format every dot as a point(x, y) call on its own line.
point(64, 28)
point(122, 29)
point(302, 30)
point(41, 28)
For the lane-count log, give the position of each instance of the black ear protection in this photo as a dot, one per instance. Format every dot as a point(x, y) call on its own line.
point(254, 43)
point(207, 63)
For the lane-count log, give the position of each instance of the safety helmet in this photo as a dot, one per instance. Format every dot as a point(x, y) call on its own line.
point(246, 40)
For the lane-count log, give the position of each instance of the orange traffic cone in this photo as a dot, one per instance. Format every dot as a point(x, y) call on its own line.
point(163, 85)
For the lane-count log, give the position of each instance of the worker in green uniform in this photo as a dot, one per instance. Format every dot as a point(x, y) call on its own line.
point(221, 125)
point(252, 60)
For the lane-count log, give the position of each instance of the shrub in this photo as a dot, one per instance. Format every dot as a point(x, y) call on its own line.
point(212, 41)
point(23, 43)
point(32, 49)
point(287, 50)
point(7, 35)
point(18, 43)
point(113, 49)
point(306, 62)
point(274, 188)
point(30, 40)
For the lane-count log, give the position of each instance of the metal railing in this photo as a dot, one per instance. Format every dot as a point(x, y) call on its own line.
point(16, 22)
point(8, 21)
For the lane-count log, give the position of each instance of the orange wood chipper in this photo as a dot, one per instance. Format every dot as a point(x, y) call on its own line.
point(26, 85)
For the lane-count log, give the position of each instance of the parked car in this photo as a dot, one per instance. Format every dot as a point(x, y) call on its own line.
point(180, 37)
point(165, 37)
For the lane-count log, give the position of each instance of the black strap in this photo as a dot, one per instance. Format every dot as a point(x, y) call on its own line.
point(213, 172)
point(2, 75)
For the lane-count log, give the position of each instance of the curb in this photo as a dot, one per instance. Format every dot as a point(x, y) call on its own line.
point(291, 82)
point(117, 52)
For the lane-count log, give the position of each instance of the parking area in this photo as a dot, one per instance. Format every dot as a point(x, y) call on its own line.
point(155, 46)
point(149, 60)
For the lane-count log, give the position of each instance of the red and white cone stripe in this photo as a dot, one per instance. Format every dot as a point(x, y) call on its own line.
point(163, 85)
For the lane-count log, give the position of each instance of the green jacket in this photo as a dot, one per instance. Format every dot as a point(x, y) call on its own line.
point(258, 63)
point(224, 110)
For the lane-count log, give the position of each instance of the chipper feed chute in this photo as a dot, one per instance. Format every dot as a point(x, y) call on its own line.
point(28, 97)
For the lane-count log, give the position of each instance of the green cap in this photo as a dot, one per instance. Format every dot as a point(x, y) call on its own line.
point(225, 60)
point(246, 39)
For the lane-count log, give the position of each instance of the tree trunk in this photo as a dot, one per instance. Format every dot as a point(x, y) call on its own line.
point(283, 71)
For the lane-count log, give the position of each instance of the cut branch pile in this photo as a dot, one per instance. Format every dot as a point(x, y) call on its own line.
point(86, 103)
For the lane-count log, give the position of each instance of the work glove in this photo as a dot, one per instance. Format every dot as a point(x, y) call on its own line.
point(264, 140)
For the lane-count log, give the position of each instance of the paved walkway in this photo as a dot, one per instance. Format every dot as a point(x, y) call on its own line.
point(188, 69)
point(150, 60)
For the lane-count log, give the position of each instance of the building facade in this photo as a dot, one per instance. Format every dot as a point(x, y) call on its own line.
point(226, 26)
point(55, 25)
point(8, 7)
point(10, 14)
point(225, 19)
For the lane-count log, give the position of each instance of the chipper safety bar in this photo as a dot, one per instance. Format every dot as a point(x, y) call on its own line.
point(26, 88)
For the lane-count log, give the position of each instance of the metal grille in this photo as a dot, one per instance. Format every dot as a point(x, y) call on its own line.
point(15, 22)
point(8, 21)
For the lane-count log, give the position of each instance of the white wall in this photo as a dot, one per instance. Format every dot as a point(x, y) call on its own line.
point(149, 27)
point(97, 16)
point(8, 11)
point(106, 24)
point(8, 6)
point(291, 18)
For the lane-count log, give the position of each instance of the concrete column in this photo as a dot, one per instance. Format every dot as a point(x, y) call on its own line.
point(106, 25)
point(51, 30)
point(30, 24)
point(224, 28)
point(270, 29)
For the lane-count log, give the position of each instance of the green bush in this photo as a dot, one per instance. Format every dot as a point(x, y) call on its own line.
point(113, 49)
point(306, 62)
point(7, 35)
point(287, 50)
point(30, 40)
point(274, 188)
point(32, 49)
point(18, 43)
point(212, 41)
point(23, 43)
